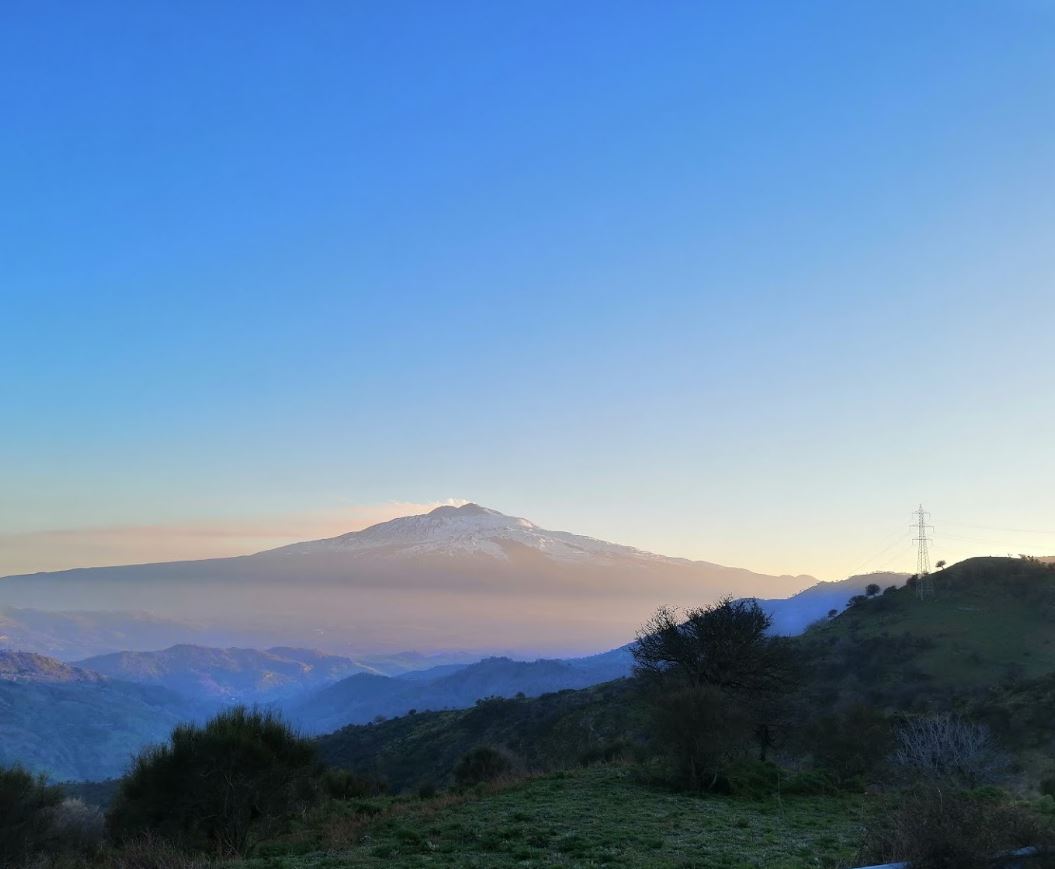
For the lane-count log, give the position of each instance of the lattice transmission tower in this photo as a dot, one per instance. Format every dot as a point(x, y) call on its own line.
point(924, 583)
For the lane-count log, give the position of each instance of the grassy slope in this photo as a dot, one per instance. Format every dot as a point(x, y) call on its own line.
point(589, 817)
point(989, 619)
point(547, 732)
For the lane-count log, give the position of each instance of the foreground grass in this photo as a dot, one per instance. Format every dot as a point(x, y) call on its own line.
point(594, 817)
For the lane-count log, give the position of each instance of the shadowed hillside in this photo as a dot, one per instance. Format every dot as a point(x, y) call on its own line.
point(363, 697)
point(73, 724)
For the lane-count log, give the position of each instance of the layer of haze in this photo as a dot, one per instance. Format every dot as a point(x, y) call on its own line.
point(733, 281)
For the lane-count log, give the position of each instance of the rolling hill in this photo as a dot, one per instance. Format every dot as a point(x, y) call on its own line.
point(988, 620)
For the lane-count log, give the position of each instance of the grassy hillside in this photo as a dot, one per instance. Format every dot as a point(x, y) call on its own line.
point(589, 817)
point(547, 732)
point(988, 621)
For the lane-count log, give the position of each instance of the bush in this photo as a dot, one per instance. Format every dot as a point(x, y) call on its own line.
point(811, 783)
point(27, 806)
point(948, 748)
point(933, 829)
point(340, 784)
point(610, 752)
point(851, 745)
point(752, 779)
point(215, 788)
point(482, 764)
point(701, 731)
point(77, 827)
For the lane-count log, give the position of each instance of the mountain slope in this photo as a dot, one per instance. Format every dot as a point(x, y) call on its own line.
point(361, 698)
point(229, 675)
point(73, 724)
point(791, 616)
point(428, 582)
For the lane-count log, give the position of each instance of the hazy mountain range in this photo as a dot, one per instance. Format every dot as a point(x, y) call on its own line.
point(320, 629)
point(429, 582)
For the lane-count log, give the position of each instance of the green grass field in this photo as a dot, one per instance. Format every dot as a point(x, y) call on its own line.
point(602, 816)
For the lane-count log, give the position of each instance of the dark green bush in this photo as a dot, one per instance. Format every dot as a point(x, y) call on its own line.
point(700, 731)
point(27, 804)
point(218, 787)
point(617, 749)
point(811, 783)
point(482, 764)
point(851, 745)
point(752, 779)
point(340, 784)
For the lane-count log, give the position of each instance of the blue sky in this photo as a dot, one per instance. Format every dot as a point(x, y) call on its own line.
point(735, 281)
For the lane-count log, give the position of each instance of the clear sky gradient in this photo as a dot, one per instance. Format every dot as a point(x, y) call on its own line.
point(735, 281)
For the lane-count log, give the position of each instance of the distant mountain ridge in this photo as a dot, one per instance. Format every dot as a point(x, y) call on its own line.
point(455, 578)
point(29, 667)
point(228, 675)
point(361, 698)
point(791, 616)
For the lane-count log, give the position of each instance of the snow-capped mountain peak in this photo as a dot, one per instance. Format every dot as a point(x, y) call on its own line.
point(468, 529)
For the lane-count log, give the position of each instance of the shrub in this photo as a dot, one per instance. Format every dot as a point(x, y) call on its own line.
point(811, 783)
point(482, 764)
point(948, 748)
point(40, 828)
point(701, 731)
point(27, 806)
point(617, 749)
point(340, 784)
point(933, 829)
point(77, 827)
point(752, 779)
point(149, 852)
point(851, 745)
point(214, 788)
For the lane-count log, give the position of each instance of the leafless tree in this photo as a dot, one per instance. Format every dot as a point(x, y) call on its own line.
point(948, 748)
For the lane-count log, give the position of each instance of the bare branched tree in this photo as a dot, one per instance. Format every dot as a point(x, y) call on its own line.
point(948, 748)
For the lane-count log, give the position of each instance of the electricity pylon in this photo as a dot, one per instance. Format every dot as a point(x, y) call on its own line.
point(924, 583)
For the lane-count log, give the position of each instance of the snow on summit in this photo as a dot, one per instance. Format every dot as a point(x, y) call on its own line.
point(469, 529)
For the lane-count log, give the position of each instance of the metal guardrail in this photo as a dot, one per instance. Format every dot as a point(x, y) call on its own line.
point(1011, 860)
